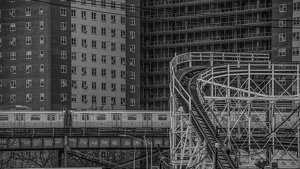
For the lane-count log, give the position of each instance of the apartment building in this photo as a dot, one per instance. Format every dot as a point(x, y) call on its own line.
point(172, 27)
point(35, 50)
point(98, 54)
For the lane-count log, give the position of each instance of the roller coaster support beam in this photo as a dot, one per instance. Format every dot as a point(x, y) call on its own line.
point(65, 151)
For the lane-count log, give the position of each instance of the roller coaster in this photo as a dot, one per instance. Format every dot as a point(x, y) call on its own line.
point(233, 110)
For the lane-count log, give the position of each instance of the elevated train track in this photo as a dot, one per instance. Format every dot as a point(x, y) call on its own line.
point(228, 81)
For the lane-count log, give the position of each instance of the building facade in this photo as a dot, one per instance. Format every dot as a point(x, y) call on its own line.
point(35, 53)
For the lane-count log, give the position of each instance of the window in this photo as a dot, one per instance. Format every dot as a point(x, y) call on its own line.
point(113, 101)
point(42, 97)
point(132, 21)
point(83, 29)
point(123, 60)
point(103, 72)
point(132, 8)
point(282, 52)
point(132, 62)
point(282, 7)
point(12, 27)
point(296, 21)
point(83, 14)
point(94, 58)
point(74, 84)
point(103, 45)
point(123, 101)
point(113, 18)
point(94, 30)
point(42, 40)
point(282, 37)
point(123, 21)
point(0, 42)
point(113, 33)
point(132, 75)
point(29, 99)
point(93, 2)
point(13, 98)
point(83, 99)
point(73, 98)
point(113, 87)
point(83, 57)
point(28, 40)
point(13, 55)
point(63, 26)
point(94, 99)
point(41, 25)
point(101, 117)
point(63, 12)
point(132, 48)
point(13, 84)
point(35, 117)
point(28, 11)
point(94, 15)
point(63, 40)
point(113, 46)
point(63, 54)
point(103, 100)
point(296, 6)
point(94, 72)
point(103, 86)
point(103, 3)
point(73, 41)
point(103, 17)
point(103, 58)
point(123, 34)
point(296, 36)
point(63, 97)
point(83, 70)
point(41, 10)
point(132, 34)
point(162, 117)
point(123, 74)
point(132, 102)
point(94, 85)
point(28, 83)
point(296, 51)
point(63, 68)
point(12, 12)
point(123, 88)
point(103, 31)
point(282, 23)
point(73, 70)
point(42, 68)
point(132, 88)
point(13, 69)
point(28, 55)
point(73, 12)
point(94, 44)
point(84, 43)
point(123, 47)
point(131, 116)
point(84, 85)
point(113, 73)
point(73, 27)
point(123, 6)
point(42, 82)
point(113, 4)
point(13, 41)
point(28, 68)
point(63, 83)
point(83, 2)
point(113, 60)
point(73, 55)
point(41, 54)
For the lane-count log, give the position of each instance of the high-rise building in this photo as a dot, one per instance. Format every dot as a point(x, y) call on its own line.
point(172, 27)
point(35, 62)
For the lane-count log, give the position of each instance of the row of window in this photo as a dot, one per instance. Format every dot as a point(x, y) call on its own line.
point(129, 117)
point(29, 26)
point(29, 97)
point(283, 7)
point(28, 11)
point(113, 59)
point(13, 83)
point(103, 72)
point(29, 55)
point(104, 4)
point(28, 40)
point(84, 85)
point(29, 69)
point(84, 99)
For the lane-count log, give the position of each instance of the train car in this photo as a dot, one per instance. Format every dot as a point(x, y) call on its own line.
point(31, 119)
point(122, 118)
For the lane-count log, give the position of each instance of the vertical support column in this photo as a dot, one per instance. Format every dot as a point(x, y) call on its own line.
point(298, 112)
point(249, 133)
point(65, 151)
point(59, 158)
point(228, 104)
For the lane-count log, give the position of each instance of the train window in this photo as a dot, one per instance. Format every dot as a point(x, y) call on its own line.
point(101, 117)
point(162, 117)
point(131, 116)
point(3, 117)
point(83, 117)
point(50, 117)
point(35, 117)
point(87, 117)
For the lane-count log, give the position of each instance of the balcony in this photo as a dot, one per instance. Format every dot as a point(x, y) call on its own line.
point(209, 39)
point(217, 25)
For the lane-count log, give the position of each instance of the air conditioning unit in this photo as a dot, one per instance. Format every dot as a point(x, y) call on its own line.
point(73, 30)
point(11, 15)
point(84, 31)
point(84, 17)
point(42, 70)
point(41, 12)
point(123, 36)
point(41, 55)
point(113, 48)
point(84, 101)
point(12, 100)
point(85, 45)
point(85, 87)
point(75, 86)
point(10, 43)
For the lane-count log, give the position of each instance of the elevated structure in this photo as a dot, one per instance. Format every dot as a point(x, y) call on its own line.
point(255, 106)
